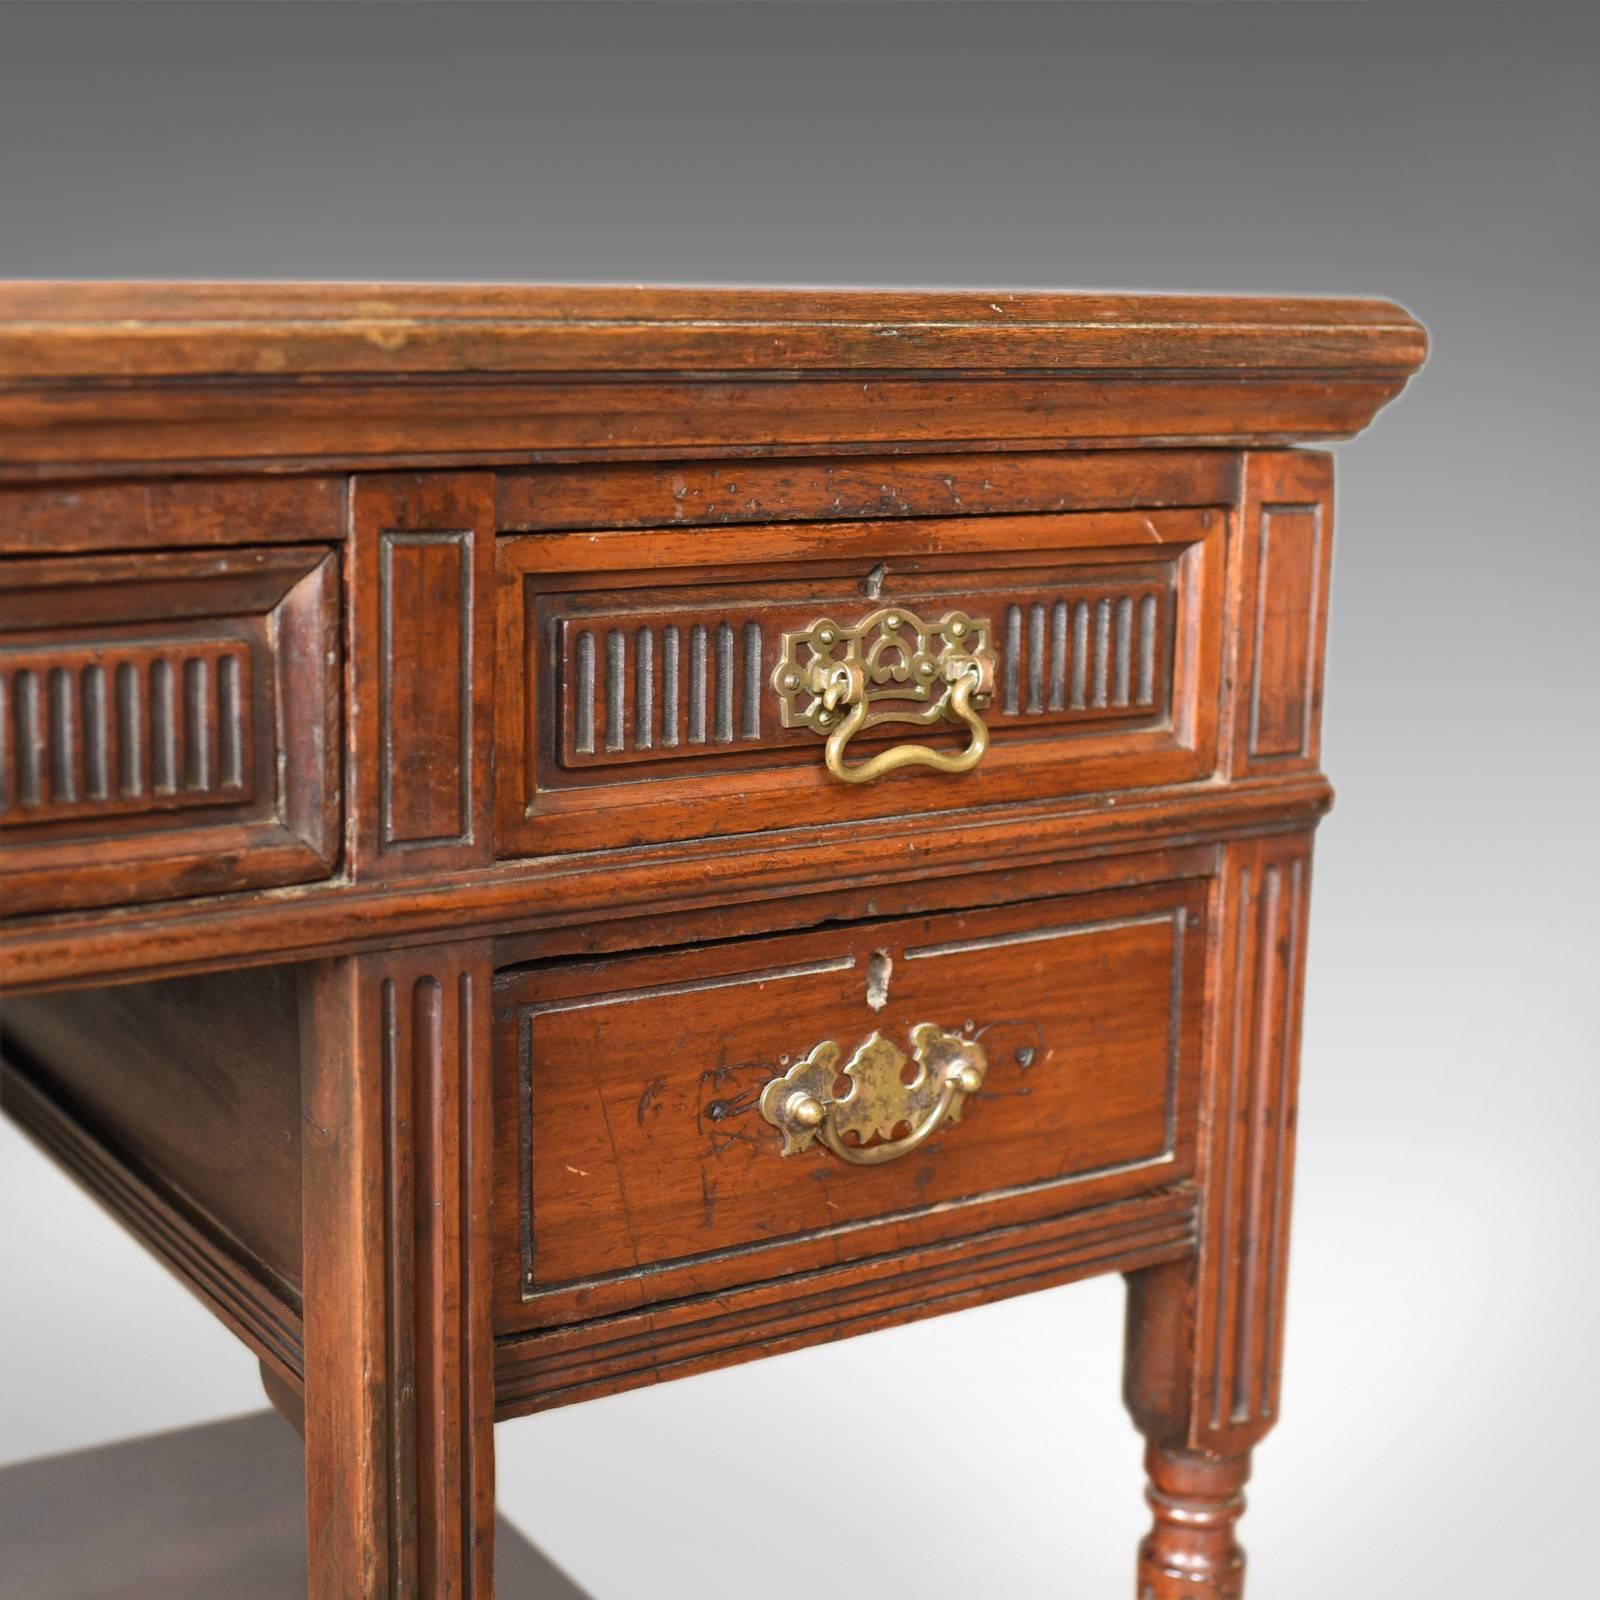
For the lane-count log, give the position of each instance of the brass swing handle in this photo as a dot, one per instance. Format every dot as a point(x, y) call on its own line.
point(803, 1106)
point(890, 667)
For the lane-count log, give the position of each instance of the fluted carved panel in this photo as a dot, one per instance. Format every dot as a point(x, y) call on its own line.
point(669, 681)
point(1251, 1157)
point(627, 657)
point(397, 1293)
point(127, 727)
point(168, 724)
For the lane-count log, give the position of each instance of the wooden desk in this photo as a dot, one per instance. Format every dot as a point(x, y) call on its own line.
point(559, 838)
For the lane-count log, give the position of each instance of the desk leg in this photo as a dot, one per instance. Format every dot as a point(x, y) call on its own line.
point(399, 1399)
point(1205, 1335)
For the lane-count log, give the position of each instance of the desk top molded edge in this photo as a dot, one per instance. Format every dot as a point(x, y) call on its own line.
point(88, 330)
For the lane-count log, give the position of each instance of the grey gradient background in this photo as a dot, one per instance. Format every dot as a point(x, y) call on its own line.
point(1440, 1405)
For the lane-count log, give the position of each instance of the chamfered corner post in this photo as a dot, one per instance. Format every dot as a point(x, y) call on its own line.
point(1205, 1334)
point(399, 1396)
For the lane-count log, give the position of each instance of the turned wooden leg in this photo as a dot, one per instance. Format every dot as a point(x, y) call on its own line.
point(1205, 1335)
point(1192, 1550)
point(399, 1405)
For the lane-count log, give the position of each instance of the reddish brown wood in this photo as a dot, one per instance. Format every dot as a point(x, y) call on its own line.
point(885, 897)
point(399, 1344)
point(174, 1229)
point(1205, 1336)
point(168, 725)
point(516, 897)
point(57, 518)
point(438, 423)
point(194, 1083)
point(700, 494)
point(309, 375)
point(288, 1399)
point(195, 329)
point(1286, 557)
point(628, 1175)
point(422, 673)
point(507, 496)
point(1192, 1550)
point(557, 1366)
point(629, 655)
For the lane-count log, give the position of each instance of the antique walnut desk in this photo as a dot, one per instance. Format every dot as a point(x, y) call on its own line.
point(558, 838)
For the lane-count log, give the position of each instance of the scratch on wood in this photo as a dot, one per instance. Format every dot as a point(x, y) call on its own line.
point(647, 1101)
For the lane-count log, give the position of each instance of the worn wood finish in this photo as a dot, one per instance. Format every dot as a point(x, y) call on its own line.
point(168, 725)
point(194, 1083)
point(626, 655)
point(1205, 1336)
point(336, 376)
point(700, 494)
point(154, 515)
point(630, 1175)
point(399, 1346)
point(515, 898)
point(424, 639)
point(134, 330)
point(422, 672)
point(1286, 559)
point(557, 1366)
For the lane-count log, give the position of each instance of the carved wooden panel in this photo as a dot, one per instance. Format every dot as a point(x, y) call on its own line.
point(126, 728)
point(628, 657)
point(1205, 1336)
point(663, 679)
point(1262, 909)
point(629, 1175)
point(1286, 553)
point(168, 724)
point(423, 669)
point(398, 1338)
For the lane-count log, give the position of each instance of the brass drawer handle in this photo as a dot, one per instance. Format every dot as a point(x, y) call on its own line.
point(802, 1106)
point(890, 667)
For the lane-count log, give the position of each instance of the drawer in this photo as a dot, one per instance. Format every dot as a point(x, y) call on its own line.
point(664, 685)
point(654, 1140)
point(168, 725)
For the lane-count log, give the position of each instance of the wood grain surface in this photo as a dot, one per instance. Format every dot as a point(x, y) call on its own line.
point(413, 885)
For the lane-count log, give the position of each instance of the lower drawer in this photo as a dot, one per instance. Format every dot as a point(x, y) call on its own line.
point(688, 1123)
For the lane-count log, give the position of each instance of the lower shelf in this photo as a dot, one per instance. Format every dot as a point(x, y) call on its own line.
point(190, 1515)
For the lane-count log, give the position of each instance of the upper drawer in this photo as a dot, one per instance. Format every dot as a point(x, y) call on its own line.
point(658, 685)
point(168, 725)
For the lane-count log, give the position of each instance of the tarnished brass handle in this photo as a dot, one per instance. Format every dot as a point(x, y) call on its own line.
point(802, 1106)
point(890, 667)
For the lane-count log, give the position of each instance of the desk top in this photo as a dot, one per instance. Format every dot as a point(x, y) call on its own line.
point(133, 330)
point(99, 376)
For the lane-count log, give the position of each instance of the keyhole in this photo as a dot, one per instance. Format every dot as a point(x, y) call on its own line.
point(879, 966)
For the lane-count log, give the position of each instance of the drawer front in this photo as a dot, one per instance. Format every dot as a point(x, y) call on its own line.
point(168, 725)
point(644, 677)
point(642, 1156)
